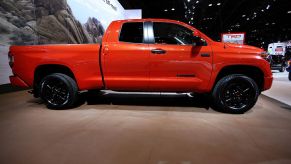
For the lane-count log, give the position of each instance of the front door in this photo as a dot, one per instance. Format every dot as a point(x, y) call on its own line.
point(176, 63)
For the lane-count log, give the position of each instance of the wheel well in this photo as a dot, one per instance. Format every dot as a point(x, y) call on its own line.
point(251, 71)
point(44, 70)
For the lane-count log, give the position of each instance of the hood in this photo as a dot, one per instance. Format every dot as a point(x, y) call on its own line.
point(243, 47)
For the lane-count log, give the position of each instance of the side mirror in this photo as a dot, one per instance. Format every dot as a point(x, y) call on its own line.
point(197, 40)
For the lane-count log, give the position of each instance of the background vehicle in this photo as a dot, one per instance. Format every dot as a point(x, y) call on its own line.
point(289, 69)
point(145, 55)
point(277, 58)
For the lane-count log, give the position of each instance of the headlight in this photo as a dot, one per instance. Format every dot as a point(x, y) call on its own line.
point(10, 59)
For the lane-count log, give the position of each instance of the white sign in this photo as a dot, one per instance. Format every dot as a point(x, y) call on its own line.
point(237, 38)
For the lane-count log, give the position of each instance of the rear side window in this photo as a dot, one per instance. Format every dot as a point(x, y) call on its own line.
point(132, 32)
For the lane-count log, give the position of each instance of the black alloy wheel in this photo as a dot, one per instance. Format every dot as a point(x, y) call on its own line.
point(235, 94)
point(58, 91)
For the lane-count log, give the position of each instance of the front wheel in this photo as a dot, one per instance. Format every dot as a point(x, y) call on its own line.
point(282, 69)
point(235, 94)
point(58, 91)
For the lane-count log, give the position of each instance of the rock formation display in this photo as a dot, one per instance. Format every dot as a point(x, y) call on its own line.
point(17, 21)
point(45, 22)
point(95, 29)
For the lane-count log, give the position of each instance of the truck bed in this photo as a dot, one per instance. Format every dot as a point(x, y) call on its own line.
point(82, 59)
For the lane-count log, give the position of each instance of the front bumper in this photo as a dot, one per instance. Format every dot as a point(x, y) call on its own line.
point(268, 83)
point(16, 81)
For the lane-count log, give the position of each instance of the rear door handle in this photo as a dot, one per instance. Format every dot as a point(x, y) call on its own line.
point(158, 51)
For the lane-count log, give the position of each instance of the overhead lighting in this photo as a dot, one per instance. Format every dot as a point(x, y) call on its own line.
point(243, 16)
point(173, 9)
point(188, 0)
point(210, 5)
point(192, 18)
point(166, 10)
point(288, 12)
point(218, 4)
point(268, 7)
point(197, 1)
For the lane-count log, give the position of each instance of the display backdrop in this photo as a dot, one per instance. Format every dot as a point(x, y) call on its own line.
point(237, 38)
point(32, 22)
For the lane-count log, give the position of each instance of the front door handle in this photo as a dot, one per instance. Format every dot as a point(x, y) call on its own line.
point(205, 55)
point(158, 51)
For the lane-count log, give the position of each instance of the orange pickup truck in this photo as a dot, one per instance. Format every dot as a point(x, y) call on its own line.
point(145, 55)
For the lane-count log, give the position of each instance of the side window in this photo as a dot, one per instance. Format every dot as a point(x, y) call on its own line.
point(169, 33)
point(132, 32)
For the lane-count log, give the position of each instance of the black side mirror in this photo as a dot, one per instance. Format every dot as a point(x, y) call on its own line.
point(198, 41)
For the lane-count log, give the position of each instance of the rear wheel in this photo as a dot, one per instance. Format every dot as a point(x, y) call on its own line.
point(59, 91)
point(235, 94)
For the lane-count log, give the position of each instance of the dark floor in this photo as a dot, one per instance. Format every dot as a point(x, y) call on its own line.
point(141, 129)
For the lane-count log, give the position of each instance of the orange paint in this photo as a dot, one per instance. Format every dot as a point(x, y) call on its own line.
point(133, 67)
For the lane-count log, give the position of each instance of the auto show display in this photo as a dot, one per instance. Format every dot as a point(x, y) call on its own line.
point(145, 55)
point(277, 56)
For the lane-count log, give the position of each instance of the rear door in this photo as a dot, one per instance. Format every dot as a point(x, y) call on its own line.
point(176, 63)
point(127, 60)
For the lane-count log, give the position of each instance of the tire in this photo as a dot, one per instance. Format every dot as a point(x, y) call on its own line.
point(282, 69)
point(59, 91)
point(289, 76)
point(235, 94)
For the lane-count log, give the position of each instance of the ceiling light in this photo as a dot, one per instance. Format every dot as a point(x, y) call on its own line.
point(173, 9)
point(189, 0)
point(218, 4)
point(166, 10)
point(197, 1)
point(243, 16)
point(210, 5)
point(268, 7)
point(288, 12)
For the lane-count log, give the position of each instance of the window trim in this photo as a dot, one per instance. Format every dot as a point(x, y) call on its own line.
point(144, 34)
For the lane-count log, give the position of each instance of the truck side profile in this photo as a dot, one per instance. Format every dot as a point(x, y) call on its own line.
point(145, 55)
